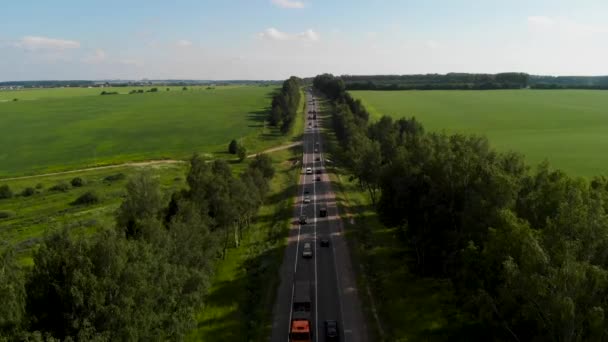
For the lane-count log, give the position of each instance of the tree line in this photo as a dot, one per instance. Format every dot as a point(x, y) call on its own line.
point(285, 104)
point(450, 81)
point(525, 248)
point(143, 279)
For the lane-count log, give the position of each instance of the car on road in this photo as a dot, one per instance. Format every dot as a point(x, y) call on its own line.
point(303, 219)
point(316, 125)
point(309, 170)
point(307, 250)
point(318, 179)
point(306, 199)
point(318, 159)
point(316, 150)
point(306, 191)
point(318, 171)
point(323, 212)
point(324, 242)
point(331, 331)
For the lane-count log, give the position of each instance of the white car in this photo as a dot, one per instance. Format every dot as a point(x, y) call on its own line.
point(306, 199)
point(307, 250)
point(309, 170)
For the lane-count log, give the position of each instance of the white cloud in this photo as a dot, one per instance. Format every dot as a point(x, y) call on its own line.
point(183, 43)
point(274, 34)
point(431, 44)
point(540, 21)
point(34, 43)
point(131, 62)
point(288, 3)
point(98, 57)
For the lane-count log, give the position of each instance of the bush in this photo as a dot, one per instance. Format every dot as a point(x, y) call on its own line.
point(39, 186)
point(233, 147)
point(61, 186)
point(4, 214)
point(241, 152)
point(27, 192)
point(77, 182)
point(5, 191)
point(115, 177)
point(87, 198)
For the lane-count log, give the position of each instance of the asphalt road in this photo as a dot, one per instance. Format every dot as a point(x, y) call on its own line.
point(334, 294)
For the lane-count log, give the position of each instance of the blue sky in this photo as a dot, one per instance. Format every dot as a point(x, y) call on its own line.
point(272, 39)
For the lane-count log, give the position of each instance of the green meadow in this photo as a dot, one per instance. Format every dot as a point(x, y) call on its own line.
point(569, 128)
point(64, 128)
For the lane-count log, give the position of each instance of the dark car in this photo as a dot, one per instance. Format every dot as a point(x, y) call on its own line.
point(318, 171)
point(323, 212)
point(331, 331)
point(306, 192)
point(318, 159)
point(303, 219)
point(318, 179)
point(324, 243)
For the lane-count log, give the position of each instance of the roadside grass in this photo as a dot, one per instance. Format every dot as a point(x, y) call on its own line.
point(408, 307)
point(566, 127)
point(47, 210)
point(239, 304)
point(66, 133)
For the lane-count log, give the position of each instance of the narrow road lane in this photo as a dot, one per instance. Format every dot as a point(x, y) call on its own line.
point(333, 292)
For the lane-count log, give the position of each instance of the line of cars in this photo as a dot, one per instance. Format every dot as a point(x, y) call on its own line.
point(301, 325)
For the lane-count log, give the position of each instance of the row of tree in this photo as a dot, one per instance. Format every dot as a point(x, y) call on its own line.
point(143, 280)
point(450, 81)
point(285, 104)
point(526, 250)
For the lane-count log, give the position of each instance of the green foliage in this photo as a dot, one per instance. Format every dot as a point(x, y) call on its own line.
point(12, 294)
point(285, 105)
point(88, 198)
point(61, 186)
point(141, 205)
point(27, 192)
point(5, 191)
point(4, 214)
point(507, 80)
point(233, 146)
point(115, 177)
point(77, 182)
point(241, 152)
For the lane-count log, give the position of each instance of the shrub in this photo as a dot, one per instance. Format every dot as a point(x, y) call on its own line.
point(15, 99)
point(39, 186)
point(27, 192)
point(241, 152)
point(115, 177)
point(233, 147)
point(87, 198)
point(77, 182)
point(4, 214)
point(61, 186)
point(5, 191)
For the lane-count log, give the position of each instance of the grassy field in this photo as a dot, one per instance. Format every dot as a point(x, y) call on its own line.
point(566, 127)
point(59, 132)
point(47, 210)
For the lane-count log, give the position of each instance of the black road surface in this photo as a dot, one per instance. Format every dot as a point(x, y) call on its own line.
point(334, 294)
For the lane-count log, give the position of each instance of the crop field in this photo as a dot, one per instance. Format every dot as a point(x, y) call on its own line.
point(60, 129)
point(569, 128)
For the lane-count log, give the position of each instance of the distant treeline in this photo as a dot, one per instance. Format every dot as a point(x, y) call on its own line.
point(145, 279)
point(465, 81)
point(524, 250)
point(285, 104)
point(85, 83)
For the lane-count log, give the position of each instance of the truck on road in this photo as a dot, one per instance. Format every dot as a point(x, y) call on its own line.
point(301, 326)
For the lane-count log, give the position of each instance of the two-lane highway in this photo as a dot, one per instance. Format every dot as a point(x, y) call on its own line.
point(333, 292)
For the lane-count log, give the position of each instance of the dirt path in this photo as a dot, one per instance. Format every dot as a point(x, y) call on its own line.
point(139, 164)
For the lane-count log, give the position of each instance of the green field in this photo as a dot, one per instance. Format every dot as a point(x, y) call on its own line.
point(64, 129)
point(569, 128)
